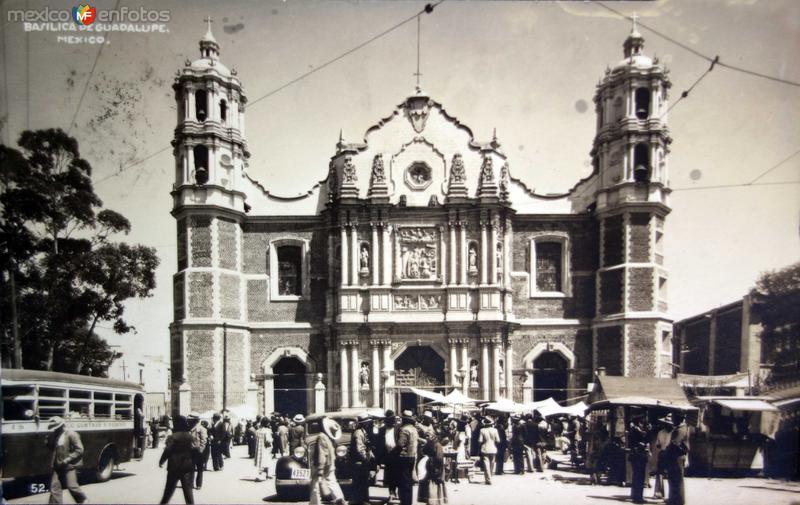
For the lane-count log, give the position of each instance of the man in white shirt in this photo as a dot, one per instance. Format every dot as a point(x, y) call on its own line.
point(488, 439)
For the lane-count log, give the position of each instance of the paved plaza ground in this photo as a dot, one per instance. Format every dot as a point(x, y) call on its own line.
point(143, 482)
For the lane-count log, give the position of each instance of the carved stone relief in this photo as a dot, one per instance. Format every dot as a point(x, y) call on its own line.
point(419, 252)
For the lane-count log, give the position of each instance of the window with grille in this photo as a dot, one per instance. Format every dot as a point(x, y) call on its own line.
point(548, 266)
point(290, 270)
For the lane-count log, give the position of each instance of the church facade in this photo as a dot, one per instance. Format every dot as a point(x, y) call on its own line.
point(417, 260)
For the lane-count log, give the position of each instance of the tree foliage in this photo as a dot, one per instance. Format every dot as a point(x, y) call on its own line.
point(776, 300)
point(62, 273)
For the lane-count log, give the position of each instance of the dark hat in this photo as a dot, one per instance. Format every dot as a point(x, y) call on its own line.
point(364, 418)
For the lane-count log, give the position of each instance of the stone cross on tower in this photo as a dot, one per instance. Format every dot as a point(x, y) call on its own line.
point(634, 17)
point(417, 74)
point(208, 20)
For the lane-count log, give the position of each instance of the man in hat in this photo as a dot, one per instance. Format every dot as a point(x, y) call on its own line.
point(676, 459)
point(488, 439)
point(360, 456)
point(67, 450)
point(638, 453)
point(228, 436)
point(297, 433)
point(407, 443)
point(218, 434)
point(200, 436)
point(322, 461)
point(518, 443)
point(180, 453)
point(385, 454)
point(426, 429)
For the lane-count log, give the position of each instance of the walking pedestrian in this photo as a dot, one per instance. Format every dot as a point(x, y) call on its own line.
point(206, 454)
point(488, 439)
point(250, 439)
point(531, 444)
point(502, 445)
point(200, 436)
point(66, 453)
point(407, 442)
point(283, 437)
point(361, 457)
point(322, 462)
point(386, 453)
point(218, 432)
point(179, 454)
point(676, 459)
point(435, 490)
point(518, 444)
point(262, 444)
point(154, 432)
point(658, 444)
point(228, 436)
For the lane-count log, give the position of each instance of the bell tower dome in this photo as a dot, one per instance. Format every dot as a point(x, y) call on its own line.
point(632, 335)
point(209, 146)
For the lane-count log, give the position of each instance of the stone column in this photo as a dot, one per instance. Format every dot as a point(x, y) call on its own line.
point(212, 165)
point(465, 366)
point(354, 253)
point(376, 375)
point(495, 370)
point(453, 361)
point(507, 257)
point(484, 254)
point(508, 368)
point(493, 254)
point(442, 256)
point(452, 279)
point(343, 377)
point(191, 113)
point(387, 254)
point(355, 369)
point(343, 252)
point(485, 370)
point(373, 256)
point(386, 372)
point(462, 278)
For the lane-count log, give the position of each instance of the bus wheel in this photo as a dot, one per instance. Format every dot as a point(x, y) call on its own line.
point(105, 466)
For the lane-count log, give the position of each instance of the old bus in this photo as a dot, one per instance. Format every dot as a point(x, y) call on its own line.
point(105, 413)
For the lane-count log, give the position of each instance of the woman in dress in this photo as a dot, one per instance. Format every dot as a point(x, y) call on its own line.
point(263, 443)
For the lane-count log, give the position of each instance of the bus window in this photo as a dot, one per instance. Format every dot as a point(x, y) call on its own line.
point(17, 403)
point(79, 408)
point(122, 406)
point(52, 402)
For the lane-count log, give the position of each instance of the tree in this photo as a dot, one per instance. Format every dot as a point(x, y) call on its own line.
point(776, 299)
point(62, 272)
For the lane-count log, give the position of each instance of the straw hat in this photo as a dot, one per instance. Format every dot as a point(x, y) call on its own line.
point(331, 428)
point(55, 423)
point(194, 415)
point(408, 416)
point(299, 419)
point(364, 418)
point(487, 421)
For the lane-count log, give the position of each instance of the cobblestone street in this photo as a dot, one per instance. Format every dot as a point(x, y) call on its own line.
point(142, 482)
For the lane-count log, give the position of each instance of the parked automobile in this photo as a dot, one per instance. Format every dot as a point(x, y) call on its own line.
point(292, 474)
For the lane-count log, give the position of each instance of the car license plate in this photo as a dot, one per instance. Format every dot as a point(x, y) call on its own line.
point(301, 473)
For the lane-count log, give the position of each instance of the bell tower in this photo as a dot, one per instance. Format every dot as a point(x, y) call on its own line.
point(209, 206)
point(632, 335)
point(209, 146)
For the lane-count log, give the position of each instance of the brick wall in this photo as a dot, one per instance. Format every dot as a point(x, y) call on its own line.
point(642, 349)
point(201, 241)
point(201, 303)
point(609, 349)
point(257, 298)
point(640, 289)
point(264, 342)
point(228, 244)
point(639, 247)
point(236, 386)
point(611, 292)
point(201, 371)
point(230, 303)
point(254, 252)
point(576, 340)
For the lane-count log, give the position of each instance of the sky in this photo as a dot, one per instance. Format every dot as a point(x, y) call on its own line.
point(528, 69)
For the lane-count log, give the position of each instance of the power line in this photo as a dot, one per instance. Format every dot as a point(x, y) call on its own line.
point(89, 79)
point(773, 167)
point(698, 53)
point(686, 92)
point(744, 185)
point(426, 10)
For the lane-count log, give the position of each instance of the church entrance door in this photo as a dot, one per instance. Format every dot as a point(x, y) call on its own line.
point(290, 386)
point(550, 377)
point(419, 367)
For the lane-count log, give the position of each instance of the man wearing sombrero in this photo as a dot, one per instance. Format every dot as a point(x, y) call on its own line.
point(322, 461)
point(67, 450)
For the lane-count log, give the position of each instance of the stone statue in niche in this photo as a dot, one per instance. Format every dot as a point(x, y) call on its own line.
point(473, 374)
point(487, 171)
point(501, 373)
point(378, 174)
point(349, 171)
point(473, 258)
point(364, 259)
point(364, 375)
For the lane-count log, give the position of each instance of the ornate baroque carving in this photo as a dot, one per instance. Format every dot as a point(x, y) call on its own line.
point(378, 174)
point(487, 171)
point(419, 249)
point(457, 174)
point(349, 171)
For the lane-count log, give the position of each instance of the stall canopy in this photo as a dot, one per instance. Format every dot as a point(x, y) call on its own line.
point(429, 395)
point(456, 397)
point(746, 404)
point(638, 391)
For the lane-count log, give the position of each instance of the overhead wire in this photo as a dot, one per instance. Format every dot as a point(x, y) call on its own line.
point(426, 10)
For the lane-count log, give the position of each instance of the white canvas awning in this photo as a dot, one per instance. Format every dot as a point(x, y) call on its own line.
point(746, 404)
point(430, 395)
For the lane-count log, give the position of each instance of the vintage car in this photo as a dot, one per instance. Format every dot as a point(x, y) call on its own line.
point(292, 475)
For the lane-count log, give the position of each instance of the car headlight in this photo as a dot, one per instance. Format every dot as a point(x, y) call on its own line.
point(299, 452)
point(341, 451)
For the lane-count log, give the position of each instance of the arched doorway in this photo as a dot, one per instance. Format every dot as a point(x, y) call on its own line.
point(421, 367)
point(290, 386)
point(550, 377)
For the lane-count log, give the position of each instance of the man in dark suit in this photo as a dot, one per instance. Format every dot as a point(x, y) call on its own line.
point(676, 459)
point(518, 444)
point(180, 453)
point(385, 453)
point(217, 442)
